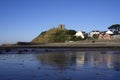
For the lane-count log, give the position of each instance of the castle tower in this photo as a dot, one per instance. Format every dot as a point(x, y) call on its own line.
point(61, 26)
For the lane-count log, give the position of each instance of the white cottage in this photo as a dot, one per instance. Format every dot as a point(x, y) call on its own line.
point(109, 32)
point(93, 32)
point(80, 33)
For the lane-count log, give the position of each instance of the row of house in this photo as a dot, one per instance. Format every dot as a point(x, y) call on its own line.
point(106, 35)
point(102, 35)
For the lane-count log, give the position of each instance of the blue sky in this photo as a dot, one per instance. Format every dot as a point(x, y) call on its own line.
point(22, 20)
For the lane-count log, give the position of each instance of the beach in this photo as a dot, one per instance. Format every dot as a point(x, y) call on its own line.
point(71, 46)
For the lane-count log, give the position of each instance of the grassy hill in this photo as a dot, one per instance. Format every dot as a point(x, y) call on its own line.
point(54, 35)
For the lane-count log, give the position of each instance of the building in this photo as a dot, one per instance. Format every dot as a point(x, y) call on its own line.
point(80, 34)
point(94, 32)
point(61, 26)
point(105, 35)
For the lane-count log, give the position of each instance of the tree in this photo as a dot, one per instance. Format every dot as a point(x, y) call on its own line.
point(43, 33)
point(71, 32)
point(95, 36)
point(115, 27)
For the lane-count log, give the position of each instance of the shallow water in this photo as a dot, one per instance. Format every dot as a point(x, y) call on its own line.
point(61, 65)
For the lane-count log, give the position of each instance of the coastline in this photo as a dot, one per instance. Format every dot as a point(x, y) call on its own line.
point(58, 47)
point(68, 45)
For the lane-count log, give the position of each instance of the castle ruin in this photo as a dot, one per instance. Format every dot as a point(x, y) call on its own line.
point(61, 26)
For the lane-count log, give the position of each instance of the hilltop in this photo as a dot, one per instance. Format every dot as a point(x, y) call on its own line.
point(59, 34)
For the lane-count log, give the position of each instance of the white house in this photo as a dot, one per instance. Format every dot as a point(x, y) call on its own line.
point(109, 32)
point(93, 32)
point(80, 33)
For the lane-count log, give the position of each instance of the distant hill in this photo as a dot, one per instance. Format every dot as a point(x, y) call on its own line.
point(54, 35)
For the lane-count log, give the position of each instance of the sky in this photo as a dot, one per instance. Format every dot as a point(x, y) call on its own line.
point(23, 20)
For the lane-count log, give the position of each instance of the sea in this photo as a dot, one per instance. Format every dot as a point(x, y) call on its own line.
point(59, 64)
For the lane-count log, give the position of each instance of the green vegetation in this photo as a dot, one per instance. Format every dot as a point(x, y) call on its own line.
point(70, 32)
point(52, 35)
point(115, 27)
point(56, 35)
point(95, 36)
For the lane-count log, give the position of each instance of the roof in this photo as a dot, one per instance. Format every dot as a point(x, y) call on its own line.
point(109, 32)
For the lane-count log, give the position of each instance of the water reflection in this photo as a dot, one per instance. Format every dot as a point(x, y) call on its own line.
point(68, 65)
point(60, 60)
point(94, 59)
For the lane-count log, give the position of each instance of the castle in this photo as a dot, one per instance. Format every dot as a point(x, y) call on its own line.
point(61, 26)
